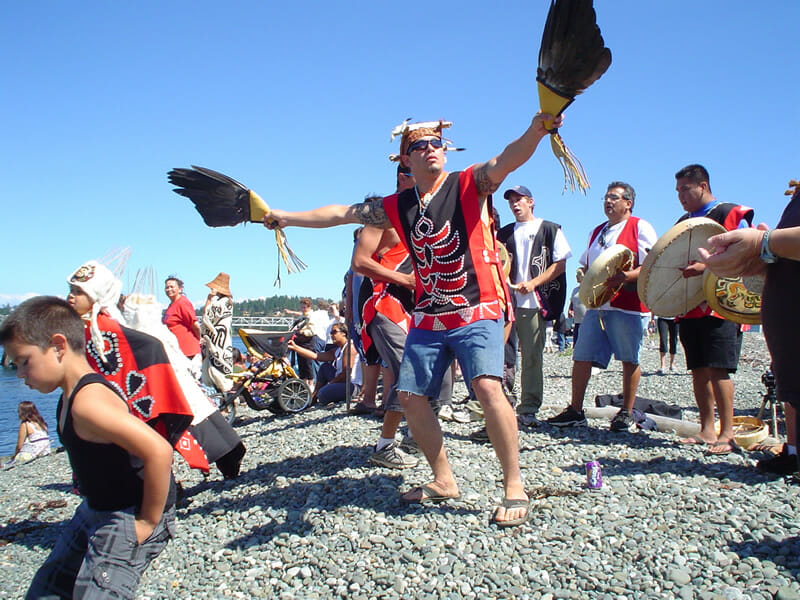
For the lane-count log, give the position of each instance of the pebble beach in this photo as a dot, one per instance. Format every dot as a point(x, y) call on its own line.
point(310, 518)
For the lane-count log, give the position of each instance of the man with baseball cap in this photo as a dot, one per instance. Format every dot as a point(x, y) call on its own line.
point(539, 253)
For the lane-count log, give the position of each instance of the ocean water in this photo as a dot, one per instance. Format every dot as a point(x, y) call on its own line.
point(13, 391)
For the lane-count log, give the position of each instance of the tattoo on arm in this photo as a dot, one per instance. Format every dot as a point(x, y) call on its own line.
point(372, 213)
point(485, 185)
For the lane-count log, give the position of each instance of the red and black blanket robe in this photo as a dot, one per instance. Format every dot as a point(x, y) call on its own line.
point(137, 365)
point(729, 216)
point(393, 301)
point(454, 252)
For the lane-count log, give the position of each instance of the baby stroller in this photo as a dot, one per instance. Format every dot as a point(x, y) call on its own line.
point(275, 386)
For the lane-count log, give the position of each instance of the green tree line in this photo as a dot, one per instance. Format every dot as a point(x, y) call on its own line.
point(264, 307)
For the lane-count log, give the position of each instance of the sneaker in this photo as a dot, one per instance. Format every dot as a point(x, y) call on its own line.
point(446, 413)
point(660, 371)
point(393, 457)
point(782, 464)
point(409, 445)
point(623, 421)
point(475, 409)
point(528, 420)
point(568, 418)
point(462, 416)
point(481, 436)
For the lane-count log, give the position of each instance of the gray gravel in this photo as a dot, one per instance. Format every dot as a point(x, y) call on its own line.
point(310, 519)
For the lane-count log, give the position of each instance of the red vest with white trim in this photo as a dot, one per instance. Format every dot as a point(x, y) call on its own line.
point(627, 297)
point(729, 216)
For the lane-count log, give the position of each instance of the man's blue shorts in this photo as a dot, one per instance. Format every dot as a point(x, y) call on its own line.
point(428, 354)
point(607, 332)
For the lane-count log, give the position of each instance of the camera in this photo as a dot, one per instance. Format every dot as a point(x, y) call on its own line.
point(768, 379)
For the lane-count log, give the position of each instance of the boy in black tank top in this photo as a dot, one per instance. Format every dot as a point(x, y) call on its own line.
point(123, 466)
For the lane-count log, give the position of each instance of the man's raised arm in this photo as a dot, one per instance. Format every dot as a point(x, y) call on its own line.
point(489, 175)
point(366, 213)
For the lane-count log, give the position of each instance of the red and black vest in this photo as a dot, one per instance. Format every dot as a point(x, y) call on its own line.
point(729, 216)
point(627, 297)
point(454, 253)
point(393, 301)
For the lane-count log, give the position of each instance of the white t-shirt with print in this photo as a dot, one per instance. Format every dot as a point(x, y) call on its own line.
point(524, 234)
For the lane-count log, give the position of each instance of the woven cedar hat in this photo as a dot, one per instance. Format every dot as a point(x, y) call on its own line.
point(221, 284)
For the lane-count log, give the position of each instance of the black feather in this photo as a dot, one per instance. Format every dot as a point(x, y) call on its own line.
point(573, 54)
point(220, 200)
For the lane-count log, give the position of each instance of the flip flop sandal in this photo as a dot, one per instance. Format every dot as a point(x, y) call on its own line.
point(516, 503)
point(428, 495)
point(732, 445)
point(692, 440)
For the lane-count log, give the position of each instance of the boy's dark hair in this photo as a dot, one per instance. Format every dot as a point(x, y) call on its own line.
point(36, 320)
point(694, 173)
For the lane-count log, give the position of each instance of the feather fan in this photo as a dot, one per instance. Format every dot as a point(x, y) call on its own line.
point(572, 57)
point(223, 201)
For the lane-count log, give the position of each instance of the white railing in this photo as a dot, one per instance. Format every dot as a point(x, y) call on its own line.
point(276, 323)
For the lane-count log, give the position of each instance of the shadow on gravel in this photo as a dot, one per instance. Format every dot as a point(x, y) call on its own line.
point(291, 507)
point(44, 533)
point(65, 488)
point(776, 551)
point(592, 435)
point(320, 416)
point(730, 474)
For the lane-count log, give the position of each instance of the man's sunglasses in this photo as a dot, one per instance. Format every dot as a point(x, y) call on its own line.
point(421, 145)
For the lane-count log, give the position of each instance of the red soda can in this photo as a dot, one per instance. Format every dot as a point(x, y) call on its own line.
point(594, 475)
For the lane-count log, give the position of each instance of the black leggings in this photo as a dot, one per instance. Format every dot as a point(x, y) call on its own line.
point(667, 327)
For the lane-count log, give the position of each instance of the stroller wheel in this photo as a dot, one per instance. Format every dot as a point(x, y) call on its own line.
point(294, 395)
point(226, 404)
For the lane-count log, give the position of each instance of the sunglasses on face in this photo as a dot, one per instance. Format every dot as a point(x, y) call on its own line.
point(421, 145)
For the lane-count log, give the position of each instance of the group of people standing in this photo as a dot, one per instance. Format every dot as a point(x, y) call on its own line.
point(463, 301)
point(439, 293)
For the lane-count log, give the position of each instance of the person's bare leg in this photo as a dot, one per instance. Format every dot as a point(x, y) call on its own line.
point(631, 374)
point(369, 387)
point(391, 421)
point(663, 363)
point(581, 373)
point(388, 381)
point(722, 390)
point(501, 425)
point(704, 397)
point(428, 434)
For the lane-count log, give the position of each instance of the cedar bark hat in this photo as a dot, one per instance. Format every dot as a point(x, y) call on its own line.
point(221, 284)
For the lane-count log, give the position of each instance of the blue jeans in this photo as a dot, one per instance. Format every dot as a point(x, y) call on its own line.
point(428, 354)
point(607, 332)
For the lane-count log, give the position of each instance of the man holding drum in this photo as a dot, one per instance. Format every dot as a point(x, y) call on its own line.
point(617, 325)
point(711, 344)
point(775, 253)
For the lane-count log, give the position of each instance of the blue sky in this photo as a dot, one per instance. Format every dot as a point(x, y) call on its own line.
point(296, 100)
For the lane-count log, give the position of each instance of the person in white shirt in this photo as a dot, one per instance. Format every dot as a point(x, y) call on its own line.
point(539, 252)
point(617, 326)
